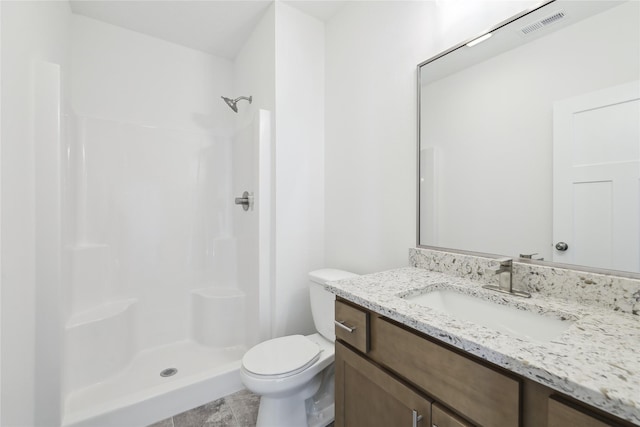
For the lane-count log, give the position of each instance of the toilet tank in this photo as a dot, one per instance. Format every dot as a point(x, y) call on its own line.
point(322, 301)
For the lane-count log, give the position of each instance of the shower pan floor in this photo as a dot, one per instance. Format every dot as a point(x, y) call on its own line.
point(140, 395)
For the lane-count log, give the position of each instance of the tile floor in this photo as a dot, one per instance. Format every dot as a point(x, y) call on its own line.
point(236, 410)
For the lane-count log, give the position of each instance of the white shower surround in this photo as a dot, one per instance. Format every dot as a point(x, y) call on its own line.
point(164, 268)
point(115, 347)
point(150, 83)
point(111, 377)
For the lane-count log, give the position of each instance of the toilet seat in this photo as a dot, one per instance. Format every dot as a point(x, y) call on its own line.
point(281, 357)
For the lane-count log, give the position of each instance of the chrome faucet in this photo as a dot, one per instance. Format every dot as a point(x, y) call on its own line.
point(504, 270)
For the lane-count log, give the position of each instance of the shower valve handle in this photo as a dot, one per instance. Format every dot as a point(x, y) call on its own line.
point(244, 201)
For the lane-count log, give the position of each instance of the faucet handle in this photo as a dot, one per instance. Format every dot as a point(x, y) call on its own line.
point(534, 256)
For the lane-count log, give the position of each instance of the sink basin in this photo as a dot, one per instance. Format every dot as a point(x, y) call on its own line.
point(502, 318)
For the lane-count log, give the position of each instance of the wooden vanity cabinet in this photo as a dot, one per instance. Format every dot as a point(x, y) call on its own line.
point(352, 326)
point(389, 375)
point(378, 384)
point(562, 414)
point(440, 417)
point(368, 396)
point(479, 393)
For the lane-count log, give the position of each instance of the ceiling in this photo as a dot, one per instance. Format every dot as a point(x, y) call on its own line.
point(218, 27)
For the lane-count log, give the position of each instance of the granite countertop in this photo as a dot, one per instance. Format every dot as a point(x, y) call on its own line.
point(596, 360)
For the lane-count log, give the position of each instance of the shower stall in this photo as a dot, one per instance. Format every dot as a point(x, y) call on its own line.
point(164, 281)
point(165, 293)
point(132, 282)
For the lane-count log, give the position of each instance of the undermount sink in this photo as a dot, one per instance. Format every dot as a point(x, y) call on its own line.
point(502, 318)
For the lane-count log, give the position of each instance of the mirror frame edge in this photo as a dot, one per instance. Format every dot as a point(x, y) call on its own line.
point(550, 264)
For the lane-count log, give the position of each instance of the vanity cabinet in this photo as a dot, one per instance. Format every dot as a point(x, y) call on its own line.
point(374, 398)
point(482, 394)
point(563, 414)
point(390, 375)
point(440, 417)
point(352, 326)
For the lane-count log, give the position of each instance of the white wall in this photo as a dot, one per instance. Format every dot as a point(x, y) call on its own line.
point(372, 49)
point(33, 33)
point(254, 75)
point(282, 66)
point(473, 156)
point(124, 75)
point(299, 163)
point(254, 68)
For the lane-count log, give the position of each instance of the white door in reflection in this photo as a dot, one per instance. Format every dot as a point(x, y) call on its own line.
point(596, 178)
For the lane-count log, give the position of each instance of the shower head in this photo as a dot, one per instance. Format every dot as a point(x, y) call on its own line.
point(232, 102)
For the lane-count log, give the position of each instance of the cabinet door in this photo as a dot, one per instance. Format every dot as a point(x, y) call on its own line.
point(368, 396)
point(481, 394)
point(440, 417)
point(561, 415)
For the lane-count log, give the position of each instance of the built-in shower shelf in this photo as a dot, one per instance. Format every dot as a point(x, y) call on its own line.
point(99, 343)
point(100, 312)
point(218, 306)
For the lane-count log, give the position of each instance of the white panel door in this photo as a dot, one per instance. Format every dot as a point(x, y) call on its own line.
point(596, 167)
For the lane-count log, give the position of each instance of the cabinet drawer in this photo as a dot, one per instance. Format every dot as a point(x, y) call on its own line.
point(477, 392)
point(352, 326)
point(562, 415)
point(440, 417)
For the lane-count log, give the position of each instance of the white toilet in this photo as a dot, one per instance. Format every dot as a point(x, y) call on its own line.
point(287, 371)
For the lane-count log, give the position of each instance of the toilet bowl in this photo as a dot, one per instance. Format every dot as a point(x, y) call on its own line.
point(294, 374)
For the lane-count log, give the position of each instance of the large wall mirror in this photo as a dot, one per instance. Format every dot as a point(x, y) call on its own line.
point(529, 141)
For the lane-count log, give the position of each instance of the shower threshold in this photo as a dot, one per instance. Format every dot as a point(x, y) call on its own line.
point(141, 394)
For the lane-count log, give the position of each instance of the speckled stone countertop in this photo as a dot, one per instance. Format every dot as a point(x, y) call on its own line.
point(596, 360)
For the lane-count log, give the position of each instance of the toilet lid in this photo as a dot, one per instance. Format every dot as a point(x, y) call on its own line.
point(281, 356)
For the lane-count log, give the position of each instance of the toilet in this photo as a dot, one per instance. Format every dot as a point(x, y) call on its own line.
point(294, 375)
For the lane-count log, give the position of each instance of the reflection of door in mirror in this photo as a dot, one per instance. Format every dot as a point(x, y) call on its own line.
point(596, 178)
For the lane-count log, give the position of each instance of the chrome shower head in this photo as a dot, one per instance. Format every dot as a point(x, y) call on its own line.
point(232, 102)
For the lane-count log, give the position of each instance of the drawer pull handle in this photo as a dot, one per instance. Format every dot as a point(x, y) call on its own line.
point(416, 418)
point(343, 326)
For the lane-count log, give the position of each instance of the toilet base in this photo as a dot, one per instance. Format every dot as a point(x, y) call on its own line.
point(274, 411)
point(289, 410)
point(281, 412)
point(321, 408)
point(313, 406)
point(322, 418)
